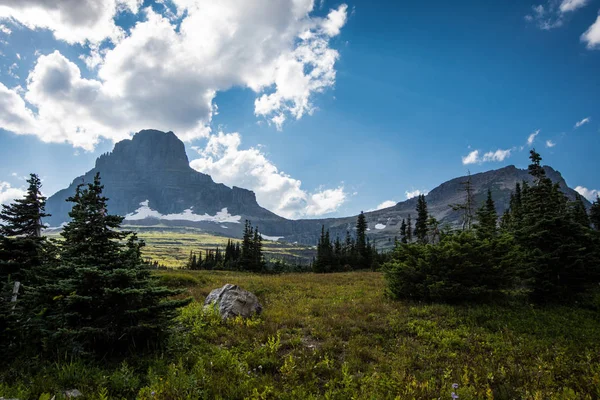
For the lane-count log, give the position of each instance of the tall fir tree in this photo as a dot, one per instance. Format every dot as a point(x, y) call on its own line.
point(361, 237)
point(105, 299)
point(422, 218)
point(403, 237)
point(409, 229)
point(487, 218)
point(595, 213)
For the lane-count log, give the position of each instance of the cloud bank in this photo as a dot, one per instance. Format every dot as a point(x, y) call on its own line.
point(166, 71)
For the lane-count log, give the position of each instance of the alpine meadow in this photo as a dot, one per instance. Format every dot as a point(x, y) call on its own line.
point(299, 199)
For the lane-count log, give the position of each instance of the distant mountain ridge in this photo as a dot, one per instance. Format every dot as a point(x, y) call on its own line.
point(149, 181)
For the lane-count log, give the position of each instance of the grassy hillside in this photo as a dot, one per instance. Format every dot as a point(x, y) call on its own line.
point(337, 336)
point(172, 247)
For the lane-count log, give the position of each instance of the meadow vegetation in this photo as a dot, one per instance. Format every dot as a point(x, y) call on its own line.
point(338, 336)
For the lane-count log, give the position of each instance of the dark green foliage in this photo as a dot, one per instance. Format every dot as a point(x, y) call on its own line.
point(335, 256)
point(560, 251)
point(403, 233)
point(487, 219)
point(24, 216)
point(461, 267)
point(595, 213)
point(409, 229)
point(102, 298)
point(361, 236)
point(422, 218)
point(578, 213)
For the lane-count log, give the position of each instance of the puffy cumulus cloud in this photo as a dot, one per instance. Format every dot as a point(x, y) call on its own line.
point(471, 158)
point(582, 122)
point(415, 193)
point(592, 35)
point(9, 193)
point(498, 155)
point(14, 114)
point(74, 21)
point(223, 159)
point(166, 72)
point(590, 194)
point(495, 156)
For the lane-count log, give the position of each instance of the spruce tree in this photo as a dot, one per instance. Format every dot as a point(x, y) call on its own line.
point(595, 213)
point(409, 229)
point(403, 237)
point(578, 212)
point(560, 256)
point(422, 218)
point(487, 218)
point(361, 238)
point(105, 299)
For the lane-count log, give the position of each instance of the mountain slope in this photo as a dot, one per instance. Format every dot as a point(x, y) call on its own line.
point(149, 181)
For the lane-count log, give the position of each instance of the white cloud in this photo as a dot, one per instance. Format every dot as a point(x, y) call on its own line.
point(145, 211)
point(550, 143)
point(498, 155)
point(415, 193)
point(532, 137)
point(471, 158)
point(582, 122)
point(274, 47)
point(9, 193)
point(552, 14)
point(386, 204)
point(14, 115)
point(590, 194)
point(5, 29)
point(572, 5)
point(225, 162)
point(592, 35)
point(74, 21)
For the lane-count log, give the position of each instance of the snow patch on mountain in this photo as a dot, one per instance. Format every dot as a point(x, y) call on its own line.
point(379, 226)
point(145, 211)
point(273, 238)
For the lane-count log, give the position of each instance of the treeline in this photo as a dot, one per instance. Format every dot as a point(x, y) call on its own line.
point(89, 294)
point(544, 246)
point(351, 254)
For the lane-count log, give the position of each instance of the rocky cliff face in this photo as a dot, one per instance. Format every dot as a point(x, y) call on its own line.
point(148, 179)
point(153, 169)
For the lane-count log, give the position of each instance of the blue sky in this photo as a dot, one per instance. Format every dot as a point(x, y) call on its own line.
point(324, 108)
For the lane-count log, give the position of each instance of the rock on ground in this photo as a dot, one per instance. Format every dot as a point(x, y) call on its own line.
point(231, 301)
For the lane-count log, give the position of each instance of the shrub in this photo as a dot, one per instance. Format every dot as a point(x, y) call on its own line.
point(461, 267)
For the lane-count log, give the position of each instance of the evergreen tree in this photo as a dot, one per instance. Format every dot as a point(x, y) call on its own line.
point(578, 212)
point(467, 206)
point(24, 216)
point(104, 298)
point(561, 260)
point(247, 255)
point(422, 218)
point(361, 237)
point(595, 213)
point(403, 237)
point(487, 219)
point(409, 229)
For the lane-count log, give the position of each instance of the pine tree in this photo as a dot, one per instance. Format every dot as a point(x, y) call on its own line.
point(487, 219)
point(403, 237)
point(24, 216)
point(409, 229)
point(105, 299)
point(467, 206)
point(560, 256)
point(578, 212)
point(361, 238)
point(247, 255)
point(422, 218)
point(595, 213)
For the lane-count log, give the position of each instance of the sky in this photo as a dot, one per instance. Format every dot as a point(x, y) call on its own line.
point(324, 108)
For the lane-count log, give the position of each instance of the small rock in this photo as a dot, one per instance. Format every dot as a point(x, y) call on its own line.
point(232, 301)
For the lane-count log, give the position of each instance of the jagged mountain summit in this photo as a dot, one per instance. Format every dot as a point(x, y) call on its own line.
point(149, 181)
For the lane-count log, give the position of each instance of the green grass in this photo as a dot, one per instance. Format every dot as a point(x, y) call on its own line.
point(171, 246)
point(337, 336)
